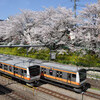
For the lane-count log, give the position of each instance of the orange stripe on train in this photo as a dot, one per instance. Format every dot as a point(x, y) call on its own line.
point(60, 79)
point(15, 74)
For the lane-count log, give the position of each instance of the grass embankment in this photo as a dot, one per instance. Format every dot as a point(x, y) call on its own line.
point(96, 89)
point(86, 60)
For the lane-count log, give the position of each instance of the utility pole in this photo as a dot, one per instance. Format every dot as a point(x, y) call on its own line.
point(99, 1)
point(75, 7)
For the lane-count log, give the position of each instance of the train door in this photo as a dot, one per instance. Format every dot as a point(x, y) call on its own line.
point(43, 71)
point(22, 73)
point(14, 70)
point(51, 72)
point(73, 78)
point(69, 78)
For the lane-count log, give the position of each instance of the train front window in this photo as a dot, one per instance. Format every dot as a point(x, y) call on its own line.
point(82, 74)
point(34, 70)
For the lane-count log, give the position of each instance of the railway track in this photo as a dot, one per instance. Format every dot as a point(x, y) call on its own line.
point(15, 95)
point(93, 95)
point(10, 94)
point(55, 94)
point(89, 94)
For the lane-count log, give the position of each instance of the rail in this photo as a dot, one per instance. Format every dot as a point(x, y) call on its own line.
point(55, 94)
point(11, 94)
point(93, 95)
point(49, 92)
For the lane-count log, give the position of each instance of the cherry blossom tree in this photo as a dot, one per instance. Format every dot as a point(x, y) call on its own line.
point(88, 30)
point(50, 27)
point(21, 25)
point(54, 27)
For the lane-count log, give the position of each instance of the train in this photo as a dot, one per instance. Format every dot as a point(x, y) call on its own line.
point(32, 70)
point(21, 68)
point(68, 75)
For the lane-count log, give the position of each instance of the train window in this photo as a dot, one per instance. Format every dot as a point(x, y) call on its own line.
point(16, 70)
point(5, 67)
point(59, 74)
point(68, 76)
point(74, 75)
point(21, 71)
point(0, 65)
point(43, 70)
point(10, 68)
point(73, 78)
point(51, 72)
point(24, 71)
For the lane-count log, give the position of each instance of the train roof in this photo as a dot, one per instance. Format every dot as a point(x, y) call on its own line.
point(24, 62)
point(61, 66)
point(18, 61)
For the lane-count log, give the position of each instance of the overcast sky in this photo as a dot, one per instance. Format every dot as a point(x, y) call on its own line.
point(12, 7)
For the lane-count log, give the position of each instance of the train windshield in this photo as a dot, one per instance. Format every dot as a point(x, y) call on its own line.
point(82, 74)
point(34, 70)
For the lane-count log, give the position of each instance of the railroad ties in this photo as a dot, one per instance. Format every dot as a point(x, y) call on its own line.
point(55, 94)
point(93, 95)
point(10, 94)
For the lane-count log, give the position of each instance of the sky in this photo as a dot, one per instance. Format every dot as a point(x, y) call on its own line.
point(13, 7)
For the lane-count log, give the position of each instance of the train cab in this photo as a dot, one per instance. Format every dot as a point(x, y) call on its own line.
point(33, 73)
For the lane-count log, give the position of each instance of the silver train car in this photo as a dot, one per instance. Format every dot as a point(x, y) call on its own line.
point(32, 70)
point(24, 69)
point(66, 74)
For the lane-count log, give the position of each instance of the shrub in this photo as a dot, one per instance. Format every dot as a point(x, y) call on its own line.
point(74, 58)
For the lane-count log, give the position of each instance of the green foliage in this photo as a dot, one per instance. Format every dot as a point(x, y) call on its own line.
point(88, 60)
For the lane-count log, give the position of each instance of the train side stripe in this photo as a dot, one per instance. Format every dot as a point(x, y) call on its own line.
point(15, 74)
point(60, 79)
